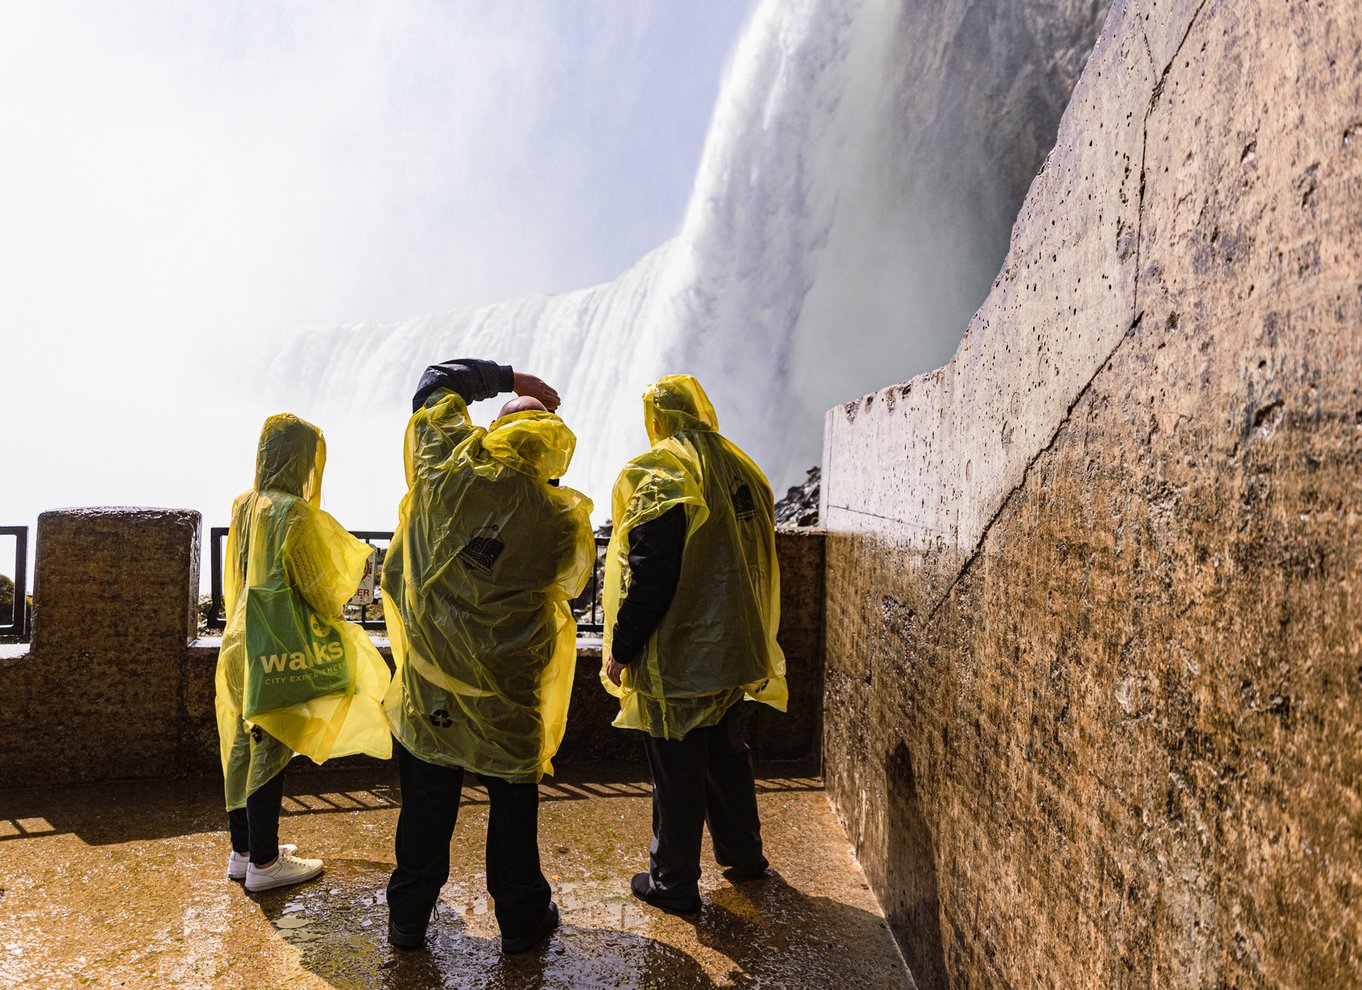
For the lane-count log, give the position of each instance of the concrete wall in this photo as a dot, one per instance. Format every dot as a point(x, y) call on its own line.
point(1093, 634)
point(98, 695)
point(114, 686)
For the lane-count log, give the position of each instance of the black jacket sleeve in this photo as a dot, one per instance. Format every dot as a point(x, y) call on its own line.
point(655, 568)
point(470, 378)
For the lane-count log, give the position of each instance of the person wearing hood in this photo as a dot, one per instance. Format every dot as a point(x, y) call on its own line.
point(692, 605)
point(292, 676)
point(485, 558)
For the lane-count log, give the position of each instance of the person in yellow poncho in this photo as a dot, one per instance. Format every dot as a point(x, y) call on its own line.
point(476, 585)
point(291, 676)
point(692, 605)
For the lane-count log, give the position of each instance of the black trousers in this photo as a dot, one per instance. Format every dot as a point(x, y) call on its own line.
point(425, 825)
point(705, 778)
point(255, 828)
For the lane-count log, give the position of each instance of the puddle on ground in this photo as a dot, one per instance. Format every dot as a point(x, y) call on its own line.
point(85, 905)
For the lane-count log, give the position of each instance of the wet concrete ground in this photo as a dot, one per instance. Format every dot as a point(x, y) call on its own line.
point(123, 885)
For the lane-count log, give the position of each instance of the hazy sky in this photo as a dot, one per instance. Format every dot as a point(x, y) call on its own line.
point(177, 178)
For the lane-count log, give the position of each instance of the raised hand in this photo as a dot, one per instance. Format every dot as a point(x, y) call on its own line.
point(536, 388)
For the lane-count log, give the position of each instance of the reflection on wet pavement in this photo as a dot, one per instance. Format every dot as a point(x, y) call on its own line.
point(123, 885)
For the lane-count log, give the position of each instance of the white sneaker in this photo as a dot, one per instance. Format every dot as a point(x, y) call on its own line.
point(237, 862)
point(287, 869)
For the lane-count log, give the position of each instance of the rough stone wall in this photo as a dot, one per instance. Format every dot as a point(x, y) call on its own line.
point(113, 687)
point(956, 103)
point(1094, 644)
point(99, 695)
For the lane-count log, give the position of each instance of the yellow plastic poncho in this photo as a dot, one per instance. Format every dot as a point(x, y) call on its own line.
point(716, 643)
point(288, 665)
point(476, 586)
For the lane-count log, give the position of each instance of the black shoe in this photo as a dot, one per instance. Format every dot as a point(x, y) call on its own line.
point(642, 886)
point(524, 943)
point(403, 939)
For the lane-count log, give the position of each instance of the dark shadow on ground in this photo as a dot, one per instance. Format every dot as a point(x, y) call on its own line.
point(144, 810)
point(779, 936)
point(763, 933)
point(339, 923)
point(573, 957)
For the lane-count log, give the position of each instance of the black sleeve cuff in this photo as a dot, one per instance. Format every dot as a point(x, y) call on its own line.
point(623, 649)
point(471, 378)
point(655, 552)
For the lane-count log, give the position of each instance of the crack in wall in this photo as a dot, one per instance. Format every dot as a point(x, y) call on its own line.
point(978, 548)
point(1137, 315)
point(1155, 95)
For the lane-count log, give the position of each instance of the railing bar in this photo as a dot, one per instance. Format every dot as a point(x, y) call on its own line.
point(18, 624)
point(218, 536)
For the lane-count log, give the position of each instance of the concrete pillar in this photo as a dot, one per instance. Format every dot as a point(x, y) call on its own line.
point(114, 596)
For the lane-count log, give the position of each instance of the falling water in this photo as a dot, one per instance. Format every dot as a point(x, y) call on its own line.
point(852, 204)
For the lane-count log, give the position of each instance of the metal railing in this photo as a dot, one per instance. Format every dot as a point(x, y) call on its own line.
point(217, 540)
point(15, 625)
point(587, 604)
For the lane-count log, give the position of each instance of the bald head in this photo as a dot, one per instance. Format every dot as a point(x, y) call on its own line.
point(522, 403)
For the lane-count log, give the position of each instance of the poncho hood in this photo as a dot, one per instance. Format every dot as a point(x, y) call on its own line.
point(290, 458)
point(538, 444)
point(676, 403)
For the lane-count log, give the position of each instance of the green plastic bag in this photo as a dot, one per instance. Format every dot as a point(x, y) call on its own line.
point(292, 654)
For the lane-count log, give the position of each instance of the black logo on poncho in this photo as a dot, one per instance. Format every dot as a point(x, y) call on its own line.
point(743, 505)
point(440, 719)
point(482, 550)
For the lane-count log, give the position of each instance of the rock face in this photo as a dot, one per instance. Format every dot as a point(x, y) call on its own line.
point(957, 102)
point(798, 507)
point(1093, 637)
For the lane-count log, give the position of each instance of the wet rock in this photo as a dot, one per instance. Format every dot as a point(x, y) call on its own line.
point(799, 506)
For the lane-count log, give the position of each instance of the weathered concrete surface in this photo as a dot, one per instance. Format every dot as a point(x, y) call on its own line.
point(113, 688)
point(1093, 634)
point(956, 103)
point(929, 462)
point(124, 886)
point(113, 606)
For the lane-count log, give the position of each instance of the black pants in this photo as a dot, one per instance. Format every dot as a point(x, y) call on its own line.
point(255, 828)
point(704, 778)
point(430, 806)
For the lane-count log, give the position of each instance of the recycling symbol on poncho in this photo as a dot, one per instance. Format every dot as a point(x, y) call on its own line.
point(440, 719)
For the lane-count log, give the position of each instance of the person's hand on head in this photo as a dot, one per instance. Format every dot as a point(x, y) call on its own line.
point(536, 388)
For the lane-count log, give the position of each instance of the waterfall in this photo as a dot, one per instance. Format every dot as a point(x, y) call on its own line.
point(852, 204)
